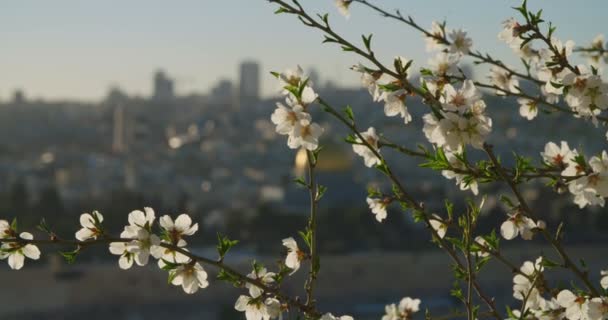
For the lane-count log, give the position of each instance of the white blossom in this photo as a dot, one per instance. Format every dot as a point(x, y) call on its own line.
point(342, 6)
point(587, 94)
point(329, 316)
point(394, 104)
point(190, 276)
point(504, 80)
point(286, 118)
point(482, 244)
point(438, 225)
point(524, 287)
point(173, 233)
point(460, 42)
point(432, 43)
point(604, 280)
point(464, 184)
point(559, 156)
point(444, 64)
point(575, 305)
point(510, 32)
point(369, 80)
point(258, 309)
point(5, 230)
point(527, 108)
point(181, 227)
point(406, 308)
point(142, 219)
point(262, 275)
point(369, 158)
point(291, 77)
point(305, 134)
point(591, 189)
point(455, 131)
point(122, 249)
point(294, 254)
point(17, 252)
point(90, 228)
point(378, 207)
point(518, 224)
point(462, 99)
point(597, 308)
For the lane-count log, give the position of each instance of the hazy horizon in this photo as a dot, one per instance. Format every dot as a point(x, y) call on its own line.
point(75, 50)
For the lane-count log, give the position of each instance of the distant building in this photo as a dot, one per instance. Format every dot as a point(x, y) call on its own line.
point(116, 96)
point(18, 97)
point(119, 130)
point(163, 87)
point(249, 86)
point(223, 92)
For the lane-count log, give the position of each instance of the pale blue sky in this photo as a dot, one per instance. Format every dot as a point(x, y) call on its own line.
point(77, 49)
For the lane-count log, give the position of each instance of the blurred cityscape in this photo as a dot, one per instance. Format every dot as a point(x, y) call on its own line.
point(216, 156)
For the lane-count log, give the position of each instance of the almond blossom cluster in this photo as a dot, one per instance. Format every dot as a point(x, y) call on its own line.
point(292, 119)
point(530, 287)
point(385, 88)
point(16, 252)
point(404, 311)
point(462, 120)
point(587, 181)
point(581, 87)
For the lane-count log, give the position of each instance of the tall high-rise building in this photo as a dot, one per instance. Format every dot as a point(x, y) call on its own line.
point(163, 87)
point(249, 85)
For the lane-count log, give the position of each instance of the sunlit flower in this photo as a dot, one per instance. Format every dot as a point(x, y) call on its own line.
point(190, 276)
point(181, 227)
point(524, 286)
point(342, 6)
point(460, 42)
point(438, 225)
point(518, 224)
point(121, 249)
point(462, 99)
point(559, 156)
point(329, 316)
point(504, 80)
point(434, 43)
point(142, 219)
point(461, 179)
point(305, 134)
point(6, 232)
point(407, 307)
point(483, 247)
point(291, 77)
point(378, 207)
point(262, 275)
point(575, 305)
point(17, 252)
point(394, 104)
point(257, 308)
point(444, 64)
point(286, 118)
point(90, 226)
point(294, 254)
point(527, 108)
point(362, 150)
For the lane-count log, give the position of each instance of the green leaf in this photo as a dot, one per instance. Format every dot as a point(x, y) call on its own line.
point(224, 244)
point(348, 111)
point(281, 10)
point(223, 275)
point(14, 224)
point(321, 189)
point(300, 181)
point(70, 256)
